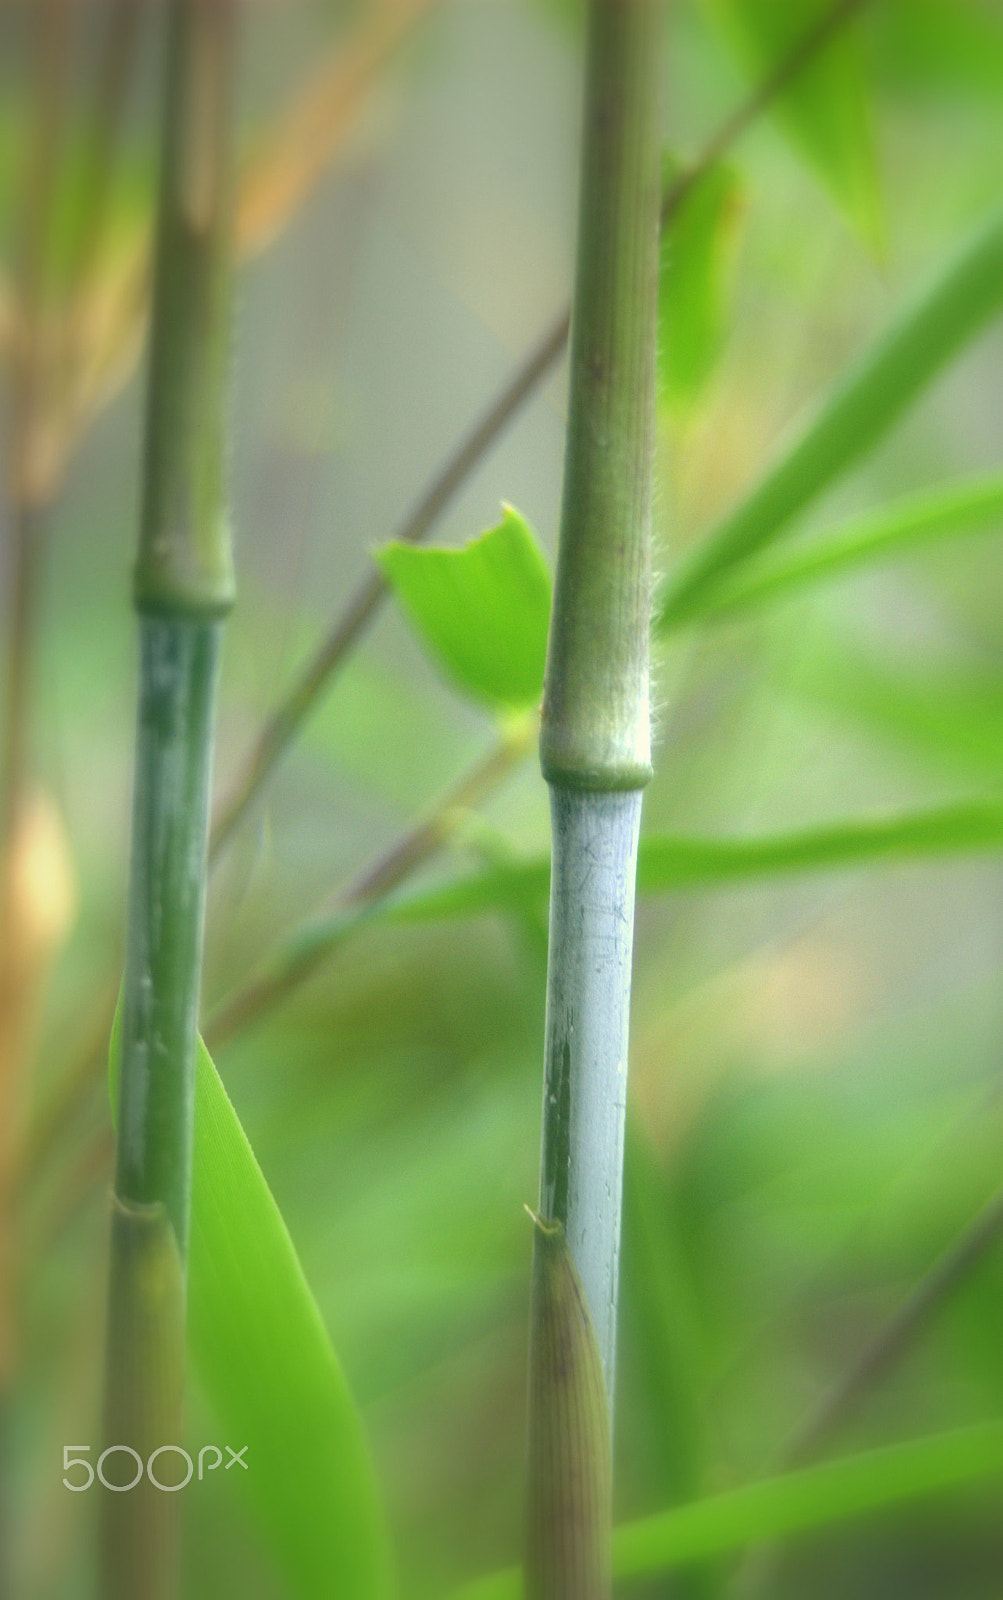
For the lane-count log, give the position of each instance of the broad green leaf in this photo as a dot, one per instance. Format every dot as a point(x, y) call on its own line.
point(947, 512)
point(777, 1508)
point(268, 1368)
point(483, 611)
point(698, 251)
point(824, 107)
point(852, 419)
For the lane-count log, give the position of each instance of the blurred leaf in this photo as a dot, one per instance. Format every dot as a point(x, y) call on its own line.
point(664, 864)
point(777, 1508)
point(851, 420)
point(657, 1314)
point(947, 512)
point(483, 611)
point(956, 718)
point(825, 107)
point(667, 863)
point(268, 1368)
point(698, 252)
point(933, 45)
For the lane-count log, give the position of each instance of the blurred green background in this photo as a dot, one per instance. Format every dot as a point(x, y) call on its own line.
point(815, 1077)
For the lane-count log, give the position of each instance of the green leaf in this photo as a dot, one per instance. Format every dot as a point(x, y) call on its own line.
point(935, 46)
point(268, 1369)
point(824, 108)
point(946, 512)
point(950, 719)
point(698, 252)
point(776, 1508)
point(483, 611)
point(849, 423)
point(667, 863)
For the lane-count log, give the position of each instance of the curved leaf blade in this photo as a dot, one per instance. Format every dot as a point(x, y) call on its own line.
point(776, 1508)
point(950, 511)
point(483, 611)
point(824, 109)
point(694, 281)
point(268, 1368)
point(851, 420)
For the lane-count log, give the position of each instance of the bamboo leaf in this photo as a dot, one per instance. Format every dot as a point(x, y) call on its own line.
point(851, 420)
point(483, 611)
point(954, 715)
point(947, 512)
point(665, 864)
point(937, 45)
point(670, 862)
point(776, 1508)
point(268, 1368)
point(698, 253)
point(824, 109)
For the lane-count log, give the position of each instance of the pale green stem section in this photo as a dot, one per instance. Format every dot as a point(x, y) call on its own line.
point(595, 752)
point(595, 730)
point(595, 741)
point(185, 562)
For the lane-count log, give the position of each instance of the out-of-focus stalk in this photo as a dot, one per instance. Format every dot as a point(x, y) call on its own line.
point(183, 588)
point(595, 751)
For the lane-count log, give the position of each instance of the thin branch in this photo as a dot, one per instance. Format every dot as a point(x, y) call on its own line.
point(292, 966)
point(897, 1338)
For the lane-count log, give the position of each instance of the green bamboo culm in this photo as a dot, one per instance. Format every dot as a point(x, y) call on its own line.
point(183, 587)
point(595, 752)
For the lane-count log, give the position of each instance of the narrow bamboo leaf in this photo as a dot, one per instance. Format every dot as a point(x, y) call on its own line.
point(950, 719)
point(825, 108)
point(947, 512)
point(694, 283)
point(934, 46)
point(834, 1492)
point(776, 1508)
point(680, 861)
point(483, 611)
point(268, 1368)
point(850, 422)
point(665, 864)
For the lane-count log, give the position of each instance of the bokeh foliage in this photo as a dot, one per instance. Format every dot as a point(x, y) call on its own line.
point(815, 1104)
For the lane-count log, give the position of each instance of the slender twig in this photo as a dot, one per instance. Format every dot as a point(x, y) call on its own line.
point(292, 966)
point(897, 1337)
point(886, 1351)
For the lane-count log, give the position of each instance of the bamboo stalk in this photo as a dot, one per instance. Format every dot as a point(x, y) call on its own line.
point(183, 585)
point(595, 749)
point(297, 703)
